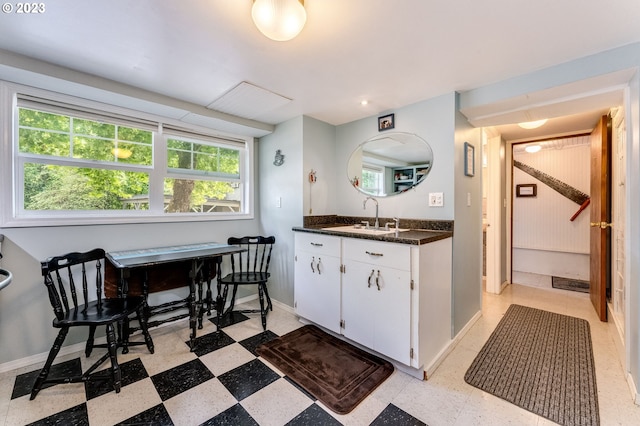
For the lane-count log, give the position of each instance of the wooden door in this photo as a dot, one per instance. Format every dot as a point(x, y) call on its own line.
point(600, 235)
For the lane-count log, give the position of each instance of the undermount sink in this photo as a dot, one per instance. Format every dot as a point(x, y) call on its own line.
point(365, 231)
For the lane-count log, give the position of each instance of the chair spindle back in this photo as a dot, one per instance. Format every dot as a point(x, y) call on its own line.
point(60, 274)
point(257, 257)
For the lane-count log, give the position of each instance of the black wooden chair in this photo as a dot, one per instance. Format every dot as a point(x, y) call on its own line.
point(67, 279)
point(250, 267)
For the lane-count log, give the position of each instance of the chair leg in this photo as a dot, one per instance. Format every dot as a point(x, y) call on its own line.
point(89, 347)
point(125, 335)
point(233, 299)
point(142, 319)
point(263, 314)
point(44, 373)
point(266, 292)
point(112, 346)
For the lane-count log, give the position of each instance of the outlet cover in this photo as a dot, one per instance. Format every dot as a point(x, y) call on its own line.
point(436, 199)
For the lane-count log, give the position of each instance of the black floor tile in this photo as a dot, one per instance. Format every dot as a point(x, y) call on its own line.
point(24, 382)
point(229, 319)
point(393, 415)
point(248, 378)
point(312, 416)
point(181, 378)
point(76, 416)
point(234, 416)
point(101, 383)
point(154, 416)
point(210, 342)
point(253, 342)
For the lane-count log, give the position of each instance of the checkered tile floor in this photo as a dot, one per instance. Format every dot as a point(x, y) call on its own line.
point(222, 382)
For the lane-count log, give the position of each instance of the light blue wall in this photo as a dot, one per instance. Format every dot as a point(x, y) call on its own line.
point(433, 120)
point(285, 183)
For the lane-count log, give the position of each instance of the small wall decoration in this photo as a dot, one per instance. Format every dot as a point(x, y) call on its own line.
point(526, 190)
point(469, 159)
point(386, 122)
point(279, 159)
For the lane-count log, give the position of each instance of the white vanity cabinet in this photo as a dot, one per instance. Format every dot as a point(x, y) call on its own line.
point(390, 297)
point(376, 296)
point(317, 279)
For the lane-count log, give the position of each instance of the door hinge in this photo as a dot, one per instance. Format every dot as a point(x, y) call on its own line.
point(295, 304)
point(341, 323)
point(343, 269)
point(411, 353)
point(295, 258)
point(411, 284)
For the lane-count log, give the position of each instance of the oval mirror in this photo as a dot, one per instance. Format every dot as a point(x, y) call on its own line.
point(389, 164)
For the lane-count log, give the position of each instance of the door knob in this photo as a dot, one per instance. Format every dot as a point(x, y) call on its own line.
point(602, 225)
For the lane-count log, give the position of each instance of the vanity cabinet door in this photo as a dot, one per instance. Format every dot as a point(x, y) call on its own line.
point(376, 308)
point(317, 280)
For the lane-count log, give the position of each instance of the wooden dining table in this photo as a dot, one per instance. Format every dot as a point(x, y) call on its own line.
point(148, 270)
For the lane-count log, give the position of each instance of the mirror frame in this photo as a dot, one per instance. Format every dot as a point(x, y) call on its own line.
point(406, 184)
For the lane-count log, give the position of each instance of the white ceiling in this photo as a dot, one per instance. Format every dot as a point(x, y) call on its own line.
point(391, 53)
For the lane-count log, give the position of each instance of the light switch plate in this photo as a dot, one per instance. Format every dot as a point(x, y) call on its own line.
point(436, 199)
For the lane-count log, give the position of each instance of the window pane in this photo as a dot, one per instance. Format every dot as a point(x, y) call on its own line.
point(44, 142)
point(51, 187)
point(43, 120)
point(203, 157)
point(188, 195)
point(93, 128)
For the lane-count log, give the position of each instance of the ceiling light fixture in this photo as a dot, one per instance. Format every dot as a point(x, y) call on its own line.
point(532, 148)
point(532, 124)
point(280, 20)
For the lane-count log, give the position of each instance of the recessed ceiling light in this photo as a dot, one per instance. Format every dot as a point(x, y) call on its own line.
point(532, 124)
point(533, 148)
point(364, 102)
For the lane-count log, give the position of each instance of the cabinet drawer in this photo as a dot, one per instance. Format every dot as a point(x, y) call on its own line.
point(318, 244)
point(397, 256)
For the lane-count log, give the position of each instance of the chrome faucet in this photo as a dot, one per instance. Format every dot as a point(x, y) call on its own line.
point(376, 225)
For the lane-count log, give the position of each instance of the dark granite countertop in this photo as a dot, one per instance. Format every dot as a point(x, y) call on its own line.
point(411, 236)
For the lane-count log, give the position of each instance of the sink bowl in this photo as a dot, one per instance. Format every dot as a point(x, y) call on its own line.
point(351, 229)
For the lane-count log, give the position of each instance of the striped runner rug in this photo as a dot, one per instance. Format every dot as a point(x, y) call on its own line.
point(540, 361)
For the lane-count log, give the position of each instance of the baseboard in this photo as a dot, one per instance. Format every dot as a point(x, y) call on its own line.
point(431, 368)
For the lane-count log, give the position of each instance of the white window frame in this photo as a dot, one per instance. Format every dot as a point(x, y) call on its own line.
point(12, 213)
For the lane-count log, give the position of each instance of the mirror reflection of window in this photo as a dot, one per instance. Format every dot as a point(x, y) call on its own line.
point(372, 179)
point(389, 164)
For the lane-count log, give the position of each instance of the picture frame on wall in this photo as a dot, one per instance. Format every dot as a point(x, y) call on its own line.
point(469, 159)
point(386, 122)
point(526, 190)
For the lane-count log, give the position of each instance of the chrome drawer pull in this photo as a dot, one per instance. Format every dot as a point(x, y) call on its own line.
point(378, 280)
point(318, 266)
point(316, 244)
point(369, 280)
point(312, 268)
point(374, 254)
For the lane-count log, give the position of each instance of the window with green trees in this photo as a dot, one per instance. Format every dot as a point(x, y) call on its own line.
point(75, 161)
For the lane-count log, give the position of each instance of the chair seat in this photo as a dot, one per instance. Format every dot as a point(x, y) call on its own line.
point(113, 310)
point(241, 278)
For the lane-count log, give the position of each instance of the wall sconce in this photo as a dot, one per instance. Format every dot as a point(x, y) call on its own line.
point(279, 20)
